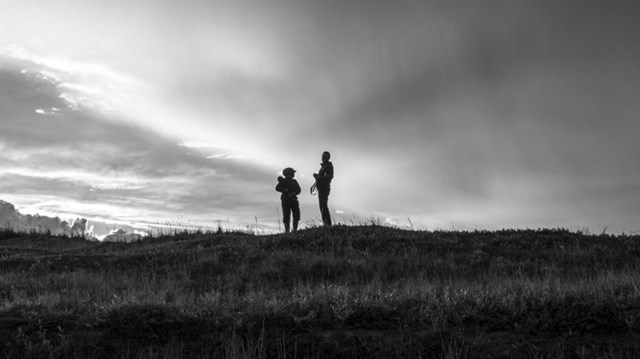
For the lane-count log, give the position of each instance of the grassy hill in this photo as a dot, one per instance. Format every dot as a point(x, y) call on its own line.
point(362, 291)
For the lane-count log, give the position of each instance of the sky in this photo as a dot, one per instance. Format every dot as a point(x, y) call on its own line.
point(438, 114)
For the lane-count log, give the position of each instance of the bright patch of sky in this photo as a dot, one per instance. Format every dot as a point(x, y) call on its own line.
point(510, 114)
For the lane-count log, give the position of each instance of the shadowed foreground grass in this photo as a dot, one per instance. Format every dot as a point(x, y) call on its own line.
point(364, 291)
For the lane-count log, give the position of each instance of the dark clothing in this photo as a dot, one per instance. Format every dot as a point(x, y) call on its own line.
point(323, 198)
point(323, 182)
point(290, 190)
point(288, 207)
point(325, 175)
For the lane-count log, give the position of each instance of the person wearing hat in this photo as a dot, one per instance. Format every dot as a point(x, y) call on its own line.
point(290, 190)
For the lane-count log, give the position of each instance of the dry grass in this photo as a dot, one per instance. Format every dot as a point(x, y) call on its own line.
point(366, 291)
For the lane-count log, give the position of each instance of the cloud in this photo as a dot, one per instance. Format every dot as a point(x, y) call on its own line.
point(51, 111)
point(85, 157)
point(12, 219)
point(92, 86)
point(468, 124)
point(445, 111)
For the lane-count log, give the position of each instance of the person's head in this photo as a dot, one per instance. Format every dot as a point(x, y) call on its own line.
point(326, 156)
point(289, 172)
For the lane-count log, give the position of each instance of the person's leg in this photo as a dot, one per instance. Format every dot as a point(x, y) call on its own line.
point(323, 197)
point(286, 215)
point(295, 208)
point(322, 202)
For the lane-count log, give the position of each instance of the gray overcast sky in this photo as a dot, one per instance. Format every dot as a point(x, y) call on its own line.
point(476, 114)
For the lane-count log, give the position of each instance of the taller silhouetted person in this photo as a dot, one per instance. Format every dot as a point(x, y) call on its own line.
point(290, 190)
point(323, 184)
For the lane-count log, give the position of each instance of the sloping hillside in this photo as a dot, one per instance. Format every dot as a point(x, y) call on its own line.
point(364, 291)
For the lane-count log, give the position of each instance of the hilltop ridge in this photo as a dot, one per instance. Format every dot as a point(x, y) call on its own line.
point(363, 291)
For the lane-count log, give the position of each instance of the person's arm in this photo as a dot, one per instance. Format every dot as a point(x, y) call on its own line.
point(329, 174)
point(326, 173)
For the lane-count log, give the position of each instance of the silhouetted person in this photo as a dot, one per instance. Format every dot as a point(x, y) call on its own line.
point(290, 190)
point(323, 183)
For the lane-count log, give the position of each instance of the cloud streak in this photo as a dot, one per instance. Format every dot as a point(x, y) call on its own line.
point(83, 156)
point(513, 113)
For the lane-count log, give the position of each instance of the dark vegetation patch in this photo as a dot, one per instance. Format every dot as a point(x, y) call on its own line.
point(365, 291)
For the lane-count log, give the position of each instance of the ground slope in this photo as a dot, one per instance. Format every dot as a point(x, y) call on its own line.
point(364, 291)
